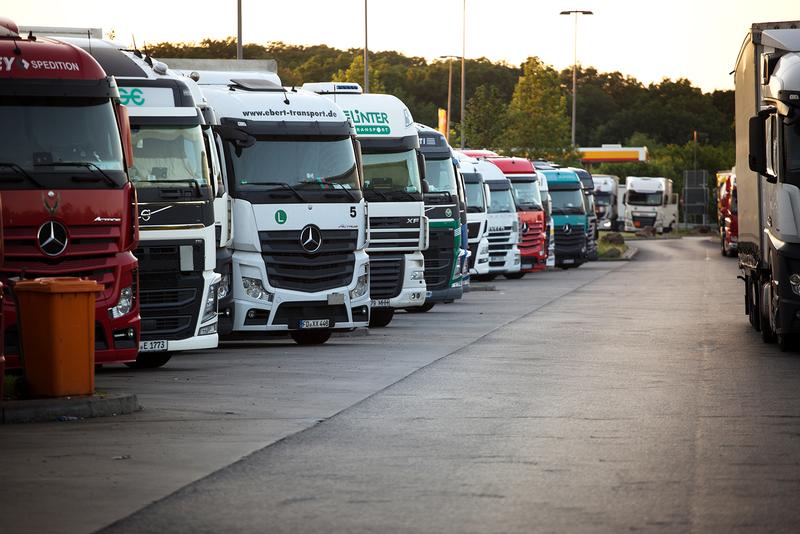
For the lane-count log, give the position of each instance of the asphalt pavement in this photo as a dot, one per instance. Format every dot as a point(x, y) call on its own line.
point(614, 397)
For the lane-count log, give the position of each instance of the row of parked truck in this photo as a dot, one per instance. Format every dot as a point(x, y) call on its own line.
point(214, 203)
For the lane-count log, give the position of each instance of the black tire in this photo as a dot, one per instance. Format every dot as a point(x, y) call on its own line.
point(755, 313)
point(485, 277)
point(514, 276)
point(428, 306)
point(767, 334)
point(381, 317)
point(150, 360)
point(310, 337)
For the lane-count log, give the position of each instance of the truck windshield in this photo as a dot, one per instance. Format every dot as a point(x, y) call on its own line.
point(168, 154)
point(602, 199)
point(393, 171)
point(441, 176)
point(635, 198)
point(302, 162)
point(567, 202)
point(502, 201)
point(476, 202)
point(527, 195)
point(60, 143)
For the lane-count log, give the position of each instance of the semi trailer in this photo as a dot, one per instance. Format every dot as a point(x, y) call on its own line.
point(69, 208)
point(293, 168)
point(394, 171)
point(767, 105)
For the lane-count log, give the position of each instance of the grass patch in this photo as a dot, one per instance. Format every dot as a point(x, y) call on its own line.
point(610, 251)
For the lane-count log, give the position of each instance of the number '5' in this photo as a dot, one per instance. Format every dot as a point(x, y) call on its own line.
point(352, 211)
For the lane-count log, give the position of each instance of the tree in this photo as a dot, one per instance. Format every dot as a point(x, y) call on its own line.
point(537, 122)
point(485, 117)
point(355, 74)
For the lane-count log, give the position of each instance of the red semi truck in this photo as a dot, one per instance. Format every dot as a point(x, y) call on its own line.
point(532, 218)
point(69, 208)
point(728, 216)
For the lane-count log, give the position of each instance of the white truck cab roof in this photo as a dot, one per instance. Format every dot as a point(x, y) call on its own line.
point(605, 183)
point(646, 184)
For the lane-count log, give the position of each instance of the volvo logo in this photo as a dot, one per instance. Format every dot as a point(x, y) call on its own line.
point(147, 213)
point(567, 229)
point(311, 238)
point(52, 238)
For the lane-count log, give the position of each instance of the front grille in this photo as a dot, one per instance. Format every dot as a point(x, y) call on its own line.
point(439, 258)
point(154, 298)
point(385, 275)
point(170, 327)
point(395, 233)
point(640, 221)
point(533, 238)
point(289, 266)
point(569, 243)
point(84, 241)
point(291, 313)
point(473, 229)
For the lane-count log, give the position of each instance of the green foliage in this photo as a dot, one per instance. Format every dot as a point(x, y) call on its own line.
point(485, 117)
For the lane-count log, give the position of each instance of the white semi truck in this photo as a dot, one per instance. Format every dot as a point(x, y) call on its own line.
point(394, 172)
point(173, 169)
point(504, 257)
point(649, 202)
point(477, 193)
point(293, 168)
point(606, 191)
point(767, 78)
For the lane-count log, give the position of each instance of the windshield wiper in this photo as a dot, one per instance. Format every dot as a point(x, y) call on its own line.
point(383, 196)
point(441, 193)
point(22, 172)
point(333, 185)
point(193, 183)
point(409, 195)
point(287, 186)
point(87, 164)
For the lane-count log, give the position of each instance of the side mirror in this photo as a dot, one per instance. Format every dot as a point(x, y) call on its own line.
point(124, 123)
point(757, 157)
point(236, 136)
point(421, 165)
point(425, 187)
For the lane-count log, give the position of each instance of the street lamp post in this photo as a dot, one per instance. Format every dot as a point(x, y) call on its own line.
point(239, 50)
point(449, 90)
point(366, 51)
point(463, 68)
point(575, 13)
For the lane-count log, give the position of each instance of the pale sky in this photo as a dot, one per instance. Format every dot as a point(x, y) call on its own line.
point(649, 39)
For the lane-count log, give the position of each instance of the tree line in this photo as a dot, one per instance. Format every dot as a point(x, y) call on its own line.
point(523, 110)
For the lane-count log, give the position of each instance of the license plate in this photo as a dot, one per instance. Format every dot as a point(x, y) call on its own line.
point(380, 303)
point(315, 323)
point(569, 261)
point(159, 345)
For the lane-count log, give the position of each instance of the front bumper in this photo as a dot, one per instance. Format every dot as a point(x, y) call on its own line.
point(444, 295)
point(509, 262)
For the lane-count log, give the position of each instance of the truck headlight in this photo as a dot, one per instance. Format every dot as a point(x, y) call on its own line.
point(124, 304)
point(254, 289)
point(362, 285)
point(483, 249)
point(417, 275)
point(210, 310)
point(794, 281)
point(224, 286)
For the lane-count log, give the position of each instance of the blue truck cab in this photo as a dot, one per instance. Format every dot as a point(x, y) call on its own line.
point(570, 219)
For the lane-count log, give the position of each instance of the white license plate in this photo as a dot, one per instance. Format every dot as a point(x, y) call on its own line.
point(380, 303)
point(158, 345)
point(315, 323)
point(570, 260)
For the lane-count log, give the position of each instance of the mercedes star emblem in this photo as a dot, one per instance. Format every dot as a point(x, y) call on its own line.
point(311, 238)
point(567, 229)
point(52, 238)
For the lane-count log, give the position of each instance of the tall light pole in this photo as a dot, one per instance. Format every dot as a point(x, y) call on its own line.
point(463, 68)
point(239, 50)
point(449, 90)
point(575, 13)
point(366, 51)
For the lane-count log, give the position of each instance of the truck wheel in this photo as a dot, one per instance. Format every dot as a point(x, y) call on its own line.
point(380, 318)
point(428, 306)
point(514, 276)
point(310, 337)
point(767, 335)
point(148, 360)
point(752, 294)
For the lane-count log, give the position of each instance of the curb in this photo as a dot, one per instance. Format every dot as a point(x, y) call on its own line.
point(67, 408)
point(628, 255)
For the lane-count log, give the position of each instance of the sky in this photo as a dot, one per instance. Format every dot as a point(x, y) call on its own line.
point(648, 39)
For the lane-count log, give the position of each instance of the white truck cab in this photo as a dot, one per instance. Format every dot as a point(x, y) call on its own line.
point(478, 200)
point(394, 170)
point(294, 173)
point(606, 190)
point(503, 221)
point(649, 201)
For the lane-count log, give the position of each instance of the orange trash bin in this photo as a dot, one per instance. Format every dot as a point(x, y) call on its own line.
point(56, 323)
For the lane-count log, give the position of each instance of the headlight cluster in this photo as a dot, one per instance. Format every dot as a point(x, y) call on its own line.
point(210, 310)
point(255, 290)
point(224, 286)
point(362, 285)
point(794, 282)
point(483, 249)
point(124, 304)
point(417, 275)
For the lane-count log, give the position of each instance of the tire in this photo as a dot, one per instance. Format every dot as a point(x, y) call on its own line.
point(485, 277)
point(150, 360)
point(310, 337)
point(428, 306)
point(767, 334)
point(381, 317)
point(755, 313)
point(514, 276)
